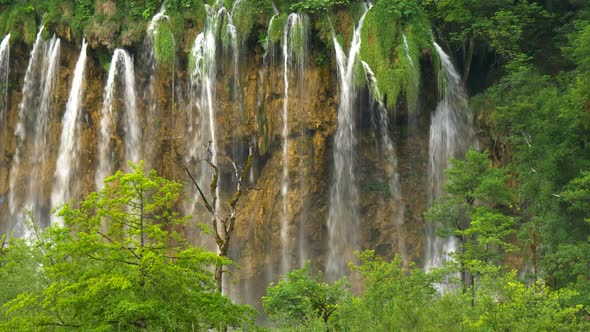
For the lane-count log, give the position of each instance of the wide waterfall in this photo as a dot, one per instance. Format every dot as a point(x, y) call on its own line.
point(451, 133)
point(294, 45)
point(121, 61)
point(69, 149)
point(34, 113)
point(343, 216)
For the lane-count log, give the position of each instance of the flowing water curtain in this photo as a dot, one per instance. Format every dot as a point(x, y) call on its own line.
point(343, 215)
point(4, 71)
point(387, 149)
point(157, 60)
point(4, 98)
point(293, 50)
point(121, 64)
point(451, 133)
point(204, 63)
point(27, 193)
point(69, 148)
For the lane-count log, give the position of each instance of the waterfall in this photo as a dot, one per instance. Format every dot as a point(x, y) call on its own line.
point(4, 69)
point(132, 134)
point(343, 215)
point(34, 111)
point(69, 149)
point(203, 78)
point(294, 35)
point(148, 82)
point(407, 49)
point(387, 150)
point(451, 133)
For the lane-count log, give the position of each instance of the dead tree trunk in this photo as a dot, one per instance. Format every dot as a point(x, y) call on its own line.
point(222, 223)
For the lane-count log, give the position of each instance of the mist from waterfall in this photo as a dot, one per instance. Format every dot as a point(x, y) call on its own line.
point(69, 149)
point(451, 133)
point(343, 215)
point(120, 64)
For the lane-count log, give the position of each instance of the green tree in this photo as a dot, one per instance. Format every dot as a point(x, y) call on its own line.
point(302, 298)
point(471, 212)
point(120, 262)
point(395, 298)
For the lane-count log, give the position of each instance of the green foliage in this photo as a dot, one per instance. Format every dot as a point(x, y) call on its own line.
point(317, 6)
point(164, 44)
point(397, 68)
point(393, 299)
point(545, 121)
point(302, 298)
point(472, 213)
point(119, 263)
point(397, 298)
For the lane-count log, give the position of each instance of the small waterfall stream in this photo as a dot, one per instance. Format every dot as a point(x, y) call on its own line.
point(4, 70)
point(203, 80)
point(69, 149)
point(294, 35)
point(121, 61)
point(387, 150)
point(147, 83)
point(451, 133)
point(343, 215)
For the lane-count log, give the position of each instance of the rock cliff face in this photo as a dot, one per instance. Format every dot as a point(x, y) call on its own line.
point(253, 113)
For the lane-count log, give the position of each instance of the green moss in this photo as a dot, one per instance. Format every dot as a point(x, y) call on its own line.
point(164, 45)
point(396, 68)
point(275, 33)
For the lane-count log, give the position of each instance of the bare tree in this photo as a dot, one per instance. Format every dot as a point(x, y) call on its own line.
point(222, 222)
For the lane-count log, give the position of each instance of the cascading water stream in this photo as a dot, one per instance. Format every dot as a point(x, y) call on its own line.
point(388, 152)
point(31, 133)
point(407, 49)
point(451, 133)
point(203, 78)
point(4, 70)
point(132, 139)
point(343, 215)
point(294, 34)
point(39, 156)
point(148, 83)
point(69, 149)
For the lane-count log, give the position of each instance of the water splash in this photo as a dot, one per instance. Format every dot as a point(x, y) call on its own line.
point(69, 149)
point(343, 215)
point(121, 61)
point(451, 133)
point(294, 35)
